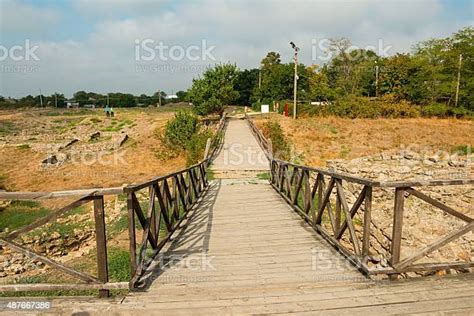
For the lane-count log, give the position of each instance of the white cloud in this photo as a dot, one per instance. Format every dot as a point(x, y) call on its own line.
point(241, 31)
point(17, 17)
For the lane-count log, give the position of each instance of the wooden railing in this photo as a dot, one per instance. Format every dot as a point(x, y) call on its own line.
point(319, 196)
point(265, 144)
point(170, 198)
point(95, 196)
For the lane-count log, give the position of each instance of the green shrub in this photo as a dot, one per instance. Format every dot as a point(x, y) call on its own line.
point(256, 106)
point(460, 112)
point(180, 129)
point(435, 109)
point(196, 146)
point(461, 149)
point(443, 110)
point(280, 144)
point(362, 107)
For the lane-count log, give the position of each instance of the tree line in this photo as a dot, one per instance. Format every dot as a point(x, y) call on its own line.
point(425, 79)
point(83, 99)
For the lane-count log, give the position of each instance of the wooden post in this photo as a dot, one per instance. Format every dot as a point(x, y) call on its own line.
point(397, 228)
point(320, 180)
point(367, 219)
point(270, 148)
point(101, 241)
point(337, 221)
point(131, 234)
point(153, 219)
point(208, 147)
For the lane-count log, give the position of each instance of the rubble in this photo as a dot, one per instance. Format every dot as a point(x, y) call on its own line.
point(423, 223)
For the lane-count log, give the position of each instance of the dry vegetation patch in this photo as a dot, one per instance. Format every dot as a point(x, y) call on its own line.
point(318, 139)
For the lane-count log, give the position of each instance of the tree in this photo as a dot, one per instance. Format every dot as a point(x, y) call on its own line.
point(244, 84)
point(181, 96)
point(270, 61)
point(318, 84)
point(210, 93)
point(122, 100)
point(277, 80)
point(437, 62)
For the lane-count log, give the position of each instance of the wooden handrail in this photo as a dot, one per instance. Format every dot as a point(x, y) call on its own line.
point(310, 197)
point(4, 195)
point(175, 194)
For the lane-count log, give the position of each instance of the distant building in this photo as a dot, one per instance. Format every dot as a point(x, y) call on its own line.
point(319, 103)
point(72, 104)
point(171, 96)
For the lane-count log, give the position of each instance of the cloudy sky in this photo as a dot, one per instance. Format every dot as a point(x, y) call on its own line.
point(141, 46)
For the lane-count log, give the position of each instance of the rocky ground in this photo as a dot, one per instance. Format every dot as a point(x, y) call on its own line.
point(423, 223)
point(47, 149)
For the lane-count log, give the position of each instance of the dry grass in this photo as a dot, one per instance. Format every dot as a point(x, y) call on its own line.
point(21, 168)
point(318, 139)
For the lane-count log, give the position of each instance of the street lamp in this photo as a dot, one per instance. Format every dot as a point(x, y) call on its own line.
point(376, 79)
point(295, 84)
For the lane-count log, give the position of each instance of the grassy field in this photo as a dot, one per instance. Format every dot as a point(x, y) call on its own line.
point(318, 139)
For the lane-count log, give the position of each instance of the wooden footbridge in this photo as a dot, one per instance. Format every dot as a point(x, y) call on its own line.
point(240, 245)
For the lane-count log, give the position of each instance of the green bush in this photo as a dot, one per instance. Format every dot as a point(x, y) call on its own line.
point(443, 110)
point(281, 146)
point(460, 112)
point(435, 109)
point(462, 150)
point(180, 129)
point(362, 107)
point(196, 146)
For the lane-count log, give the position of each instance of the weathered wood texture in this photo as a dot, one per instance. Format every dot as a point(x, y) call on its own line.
point(298, 186)
point(240, 150)
point(242, 250)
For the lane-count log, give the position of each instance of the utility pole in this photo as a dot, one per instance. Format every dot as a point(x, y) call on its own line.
point(459, 81)
point(108, 100)
point(159, 98)
point(260, 78)
point(56, 99)
point(41, 98)
point(295, 83)
point(376, 80)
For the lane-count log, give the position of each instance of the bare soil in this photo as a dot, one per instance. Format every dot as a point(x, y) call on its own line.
point(318, 139)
